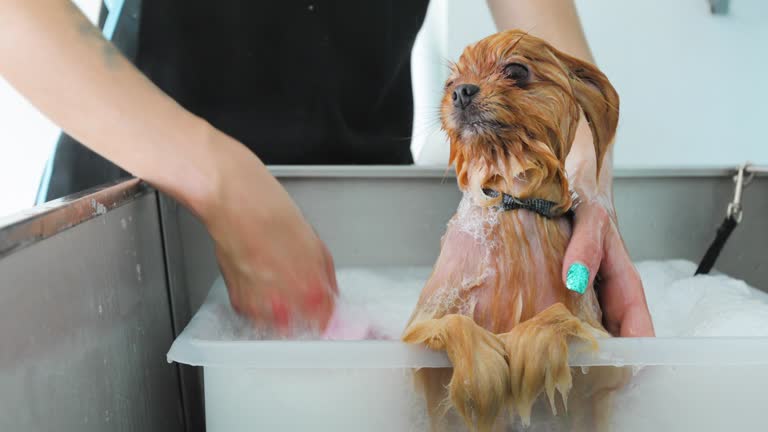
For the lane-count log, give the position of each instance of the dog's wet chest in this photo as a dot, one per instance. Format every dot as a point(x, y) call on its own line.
point(503, 240)
point(508, 263)
point(498, 266)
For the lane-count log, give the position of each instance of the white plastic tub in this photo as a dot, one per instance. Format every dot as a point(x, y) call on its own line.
point(679, 383)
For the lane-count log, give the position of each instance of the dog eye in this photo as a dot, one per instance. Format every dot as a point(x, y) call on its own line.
point(448, 84)
point(517, 72)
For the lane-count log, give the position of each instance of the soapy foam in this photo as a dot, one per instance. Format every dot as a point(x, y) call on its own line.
point(475, 220)
point(680, 304)
point(706, 305)
point(479, 223)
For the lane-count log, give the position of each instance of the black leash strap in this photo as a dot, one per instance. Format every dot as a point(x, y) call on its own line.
point(537, 205)
point(725, 230)
point(732, 219)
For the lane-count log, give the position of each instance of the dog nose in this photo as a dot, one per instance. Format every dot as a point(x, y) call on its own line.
point(464, 94)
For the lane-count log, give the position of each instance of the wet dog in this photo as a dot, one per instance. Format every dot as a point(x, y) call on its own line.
point(495, 301)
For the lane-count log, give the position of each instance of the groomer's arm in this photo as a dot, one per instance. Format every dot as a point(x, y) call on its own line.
point(56, 58)
point(596, 242)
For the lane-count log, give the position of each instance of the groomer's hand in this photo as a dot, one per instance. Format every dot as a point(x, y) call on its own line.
point(597, 245)
point(276, 268)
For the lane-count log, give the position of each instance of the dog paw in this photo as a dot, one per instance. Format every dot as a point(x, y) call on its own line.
point(537, 352)
point(479, 385)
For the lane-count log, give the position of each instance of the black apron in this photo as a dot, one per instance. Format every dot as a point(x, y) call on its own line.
point(297, 82)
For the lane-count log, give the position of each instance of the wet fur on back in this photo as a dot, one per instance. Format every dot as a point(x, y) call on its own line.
point(495, 301)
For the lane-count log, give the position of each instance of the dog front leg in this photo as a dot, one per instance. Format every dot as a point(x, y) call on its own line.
point(479, 385)
point(537, 352)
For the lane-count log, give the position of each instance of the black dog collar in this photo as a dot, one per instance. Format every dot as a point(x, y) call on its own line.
point(537, 205)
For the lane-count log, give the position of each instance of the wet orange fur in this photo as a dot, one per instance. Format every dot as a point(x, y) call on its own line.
point(495, 301)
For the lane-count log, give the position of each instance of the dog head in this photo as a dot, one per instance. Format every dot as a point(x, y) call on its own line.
point(511, 107)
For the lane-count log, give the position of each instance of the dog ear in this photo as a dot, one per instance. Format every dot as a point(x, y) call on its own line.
point(597, 98)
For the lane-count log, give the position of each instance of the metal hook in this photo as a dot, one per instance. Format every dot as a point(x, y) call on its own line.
point(735, 210)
